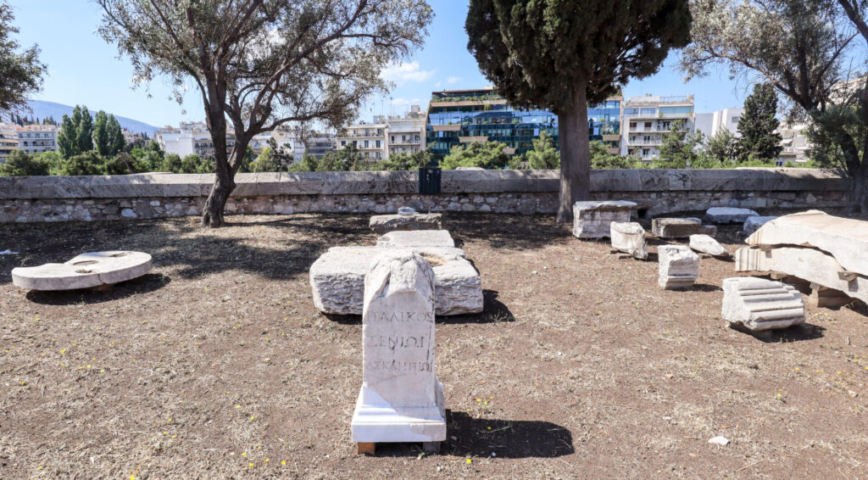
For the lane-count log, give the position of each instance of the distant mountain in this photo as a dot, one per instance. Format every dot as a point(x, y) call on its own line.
point(42, 109)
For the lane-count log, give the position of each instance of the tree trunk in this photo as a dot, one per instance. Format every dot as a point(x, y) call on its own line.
point(224, 178)
point(575, 155)
point(859, 202)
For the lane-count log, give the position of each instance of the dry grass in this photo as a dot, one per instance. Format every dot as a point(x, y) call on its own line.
point(580, 367)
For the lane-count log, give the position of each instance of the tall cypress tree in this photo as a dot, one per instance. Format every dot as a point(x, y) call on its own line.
point(758, 124)
point(67, 138)
point(563, 54)
point(116, 140)
point(100, 134)
point(84, 130)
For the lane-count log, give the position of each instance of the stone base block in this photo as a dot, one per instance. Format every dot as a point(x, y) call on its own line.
point(629, 238)
point(593, 219)
point(681, 227)
point(337, 279)
point(376, 421)
point(382, 224)
point(417, 238)
point(679, 267)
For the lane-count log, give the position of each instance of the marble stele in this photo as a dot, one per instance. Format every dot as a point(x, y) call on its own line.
point(401, 399)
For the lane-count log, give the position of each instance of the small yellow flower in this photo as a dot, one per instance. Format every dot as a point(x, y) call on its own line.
point(489, 428)
point(250, 465)
point(469, 461)
point(251, 417)
point(88, 366)
point(173, 436)
point(23, 383)
point(165, 433)
point(478, 400)
point(243, 454)
point(170, 420)
point(283, 462)
point(237, 406)
point(266, 460)
point(63, 351)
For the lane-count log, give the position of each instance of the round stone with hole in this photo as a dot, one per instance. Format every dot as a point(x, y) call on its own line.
point(87, 270)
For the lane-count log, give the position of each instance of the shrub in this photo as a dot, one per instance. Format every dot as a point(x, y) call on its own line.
point(21, 164)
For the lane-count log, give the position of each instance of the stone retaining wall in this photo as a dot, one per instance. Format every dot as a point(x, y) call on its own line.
point(156, 195)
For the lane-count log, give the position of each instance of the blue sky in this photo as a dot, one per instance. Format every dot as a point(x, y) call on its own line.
point(84, 69)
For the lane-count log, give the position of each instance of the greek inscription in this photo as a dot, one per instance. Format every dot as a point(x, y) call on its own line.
point(395, 342)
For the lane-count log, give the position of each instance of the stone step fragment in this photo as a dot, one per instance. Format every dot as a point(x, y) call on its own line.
point(629, 238)
point(757, 304)
point(593, 219)
point(406, 220)
point(679, 267)
point(753, 224)
point(728, 215)
point(337, 279)
point(808, 264)
point(88, 270)
point(681, 227)
point(845, 239)
point(706, 244)
point(417, 238)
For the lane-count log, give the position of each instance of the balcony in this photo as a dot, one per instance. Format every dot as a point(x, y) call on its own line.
point(472, 139)
point(638, 142)
point(363, 135)
point(611, 137)
point(447, 128)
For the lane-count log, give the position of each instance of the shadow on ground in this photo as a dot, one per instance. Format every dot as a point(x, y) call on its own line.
point(797, 333)
point(144, 284)
point(494, 312)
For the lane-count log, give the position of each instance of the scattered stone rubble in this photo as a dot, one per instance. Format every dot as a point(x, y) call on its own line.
point(679, 267)
point(708, 245)
point(757, 304)
point(593, 219)
point(681, 227)
point(629, 238)
point(88, 270)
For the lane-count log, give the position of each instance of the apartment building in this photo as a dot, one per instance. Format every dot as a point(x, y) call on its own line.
point(796, 146)
point(648, 118)
point(457, 117)
point(710, 124)
point(368, 138)
point(8, 140)
point(190, 138)
point(407, 133)
point(38, 138)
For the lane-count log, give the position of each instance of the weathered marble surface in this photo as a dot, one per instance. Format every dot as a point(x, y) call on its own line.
point(337, 279)
point(679, 267)
point(706, 244)
point(845, 239)
point(87, 270)
point(593, 219)
point(417, 238)
point(753, 224)
point(729, 215)
point(757, 304)
point(629, 238)
point(401, 399)
point(681, 227)
point(381, 224)
point(805, 263)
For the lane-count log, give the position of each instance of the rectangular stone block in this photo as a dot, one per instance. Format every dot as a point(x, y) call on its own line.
point(629, 238)
point(681, 227)
point(678, 267)
point(594, 219)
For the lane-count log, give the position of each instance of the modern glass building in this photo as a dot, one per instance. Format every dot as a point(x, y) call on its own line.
point(457, 117)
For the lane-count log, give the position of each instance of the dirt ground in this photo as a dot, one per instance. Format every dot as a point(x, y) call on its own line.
point(217, 365)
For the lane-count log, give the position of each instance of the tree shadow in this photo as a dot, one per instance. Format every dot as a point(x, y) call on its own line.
point(704, 287)
point(797, 333)
point(493, 438)
point(508, 231)
point(148, 283)
point(493, 312)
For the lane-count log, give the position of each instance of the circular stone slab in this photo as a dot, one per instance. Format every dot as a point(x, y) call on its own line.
point(87, 270)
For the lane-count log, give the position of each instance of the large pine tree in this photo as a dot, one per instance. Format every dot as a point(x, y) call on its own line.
point(564, 54)
point(758, 125)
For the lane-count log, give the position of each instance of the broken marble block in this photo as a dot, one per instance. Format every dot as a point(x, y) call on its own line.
point(337, 279)
point(88, 270)
point(593, 219)
point(679, 267)
point(405, 220)
point(706, 244)
point(728, 215)
point(845, 239)
point(417, 238)
point(681, 227)
point(401, 399)
point(629, 238)
point(758, 304)
point(753, 224)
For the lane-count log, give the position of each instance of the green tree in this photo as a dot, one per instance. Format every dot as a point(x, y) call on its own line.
point(800, 47)
point(308, 163)
point(195, 164)
point(115, 135)
point(405, 161)
point(544, 155)
point(488, 155)
point(563, 54)
point(266, 162)
point(84, 129)
point(171, 163)
point(758, 125)
point(723, 146)
point(20, 164)
point(86, 163)
point(602, 159)
point(677, 149)
point(101, 134)
point(125, 164)
point(67, 143)
point(20, 71)
point(262, 64)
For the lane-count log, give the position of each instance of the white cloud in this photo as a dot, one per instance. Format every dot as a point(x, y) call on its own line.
point(453, 80)
point(400, 102)
point(406, 72)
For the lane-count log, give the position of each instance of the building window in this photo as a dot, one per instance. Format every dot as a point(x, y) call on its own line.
point(648, 124)
point(377, 145)
point(735, 119)
point(632, 124)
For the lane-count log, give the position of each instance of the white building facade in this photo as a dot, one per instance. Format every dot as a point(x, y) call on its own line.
point(710, 124)
point(387, 135)
point(648, 118)
point(190, 138)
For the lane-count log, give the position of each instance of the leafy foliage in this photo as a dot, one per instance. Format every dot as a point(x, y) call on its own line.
point(679, 148)
point(487, 155)
point(20, 163)
point(87, 163)
point(544, 155)
point(20, 71)
point(723, 146)
point(758, 125)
